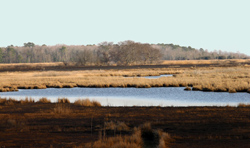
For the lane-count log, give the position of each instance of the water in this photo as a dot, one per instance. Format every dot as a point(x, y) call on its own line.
point(157, 96)
point(154, 77)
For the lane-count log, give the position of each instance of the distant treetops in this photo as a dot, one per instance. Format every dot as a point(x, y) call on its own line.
point(106, 53)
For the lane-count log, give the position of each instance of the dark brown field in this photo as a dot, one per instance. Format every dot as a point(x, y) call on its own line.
point(71, 125)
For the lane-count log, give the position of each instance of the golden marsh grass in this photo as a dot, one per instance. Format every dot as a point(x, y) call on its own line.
point(218, 79)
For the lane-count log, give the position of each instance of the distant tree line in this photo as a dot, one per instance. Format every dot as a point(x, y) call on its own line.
point(176, 52)
point(108, 53)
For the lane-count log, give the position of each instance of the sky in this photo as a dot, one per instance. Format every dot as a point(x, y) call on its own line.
point(208, 24)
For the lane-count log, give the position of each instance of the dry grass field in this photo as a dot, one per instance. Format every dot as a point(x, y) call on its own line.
point(208, 62)
point(225, 76)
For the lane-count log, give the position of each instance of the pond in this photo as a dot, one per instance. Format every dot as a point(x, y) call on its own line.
point(157, 96)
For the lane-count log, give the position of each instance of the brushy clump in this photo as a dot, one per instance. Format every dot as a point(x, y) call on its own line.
point(12, 101)
point(9, 101)
point(243, 105)
point(27, 100)
point(133, 141)
point(8, 88)
point(87, 102)
point(119, 126)
point(165, 139)
point(154, 138)
point(44, 100)
point(144, 136)
point(63, 100)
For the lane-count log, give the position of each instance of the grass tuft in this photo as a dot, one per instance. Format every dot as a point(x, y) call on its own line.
point(133, 141)
point(44, 100)
point(27, 100)
point(63, 100)
point(87, 102)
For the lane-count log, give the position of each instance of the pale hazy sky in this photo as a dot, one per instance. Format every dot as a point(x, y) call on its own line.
point(209, 24)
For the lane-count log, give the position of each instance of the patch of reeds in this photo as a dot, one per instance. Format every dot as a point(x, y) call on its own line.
point(165, 139)
point(142, 86)
point(243, 105)
point(220, 89)
point(27, 100)
point(87, 102)
point(54, 85)
point(143, 136)
point(118, 126)
point(63, 100)
point(8, 88)
point(9, 101)
point(133, 141)
point(44, 100)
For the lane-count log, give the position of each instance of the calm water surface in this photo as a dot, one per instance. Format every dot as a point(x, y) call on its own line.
point(153, 77)
point(163, 96)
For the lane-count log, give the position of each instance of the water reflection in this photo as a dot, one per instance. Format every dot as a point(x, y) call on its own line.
point(163, 96)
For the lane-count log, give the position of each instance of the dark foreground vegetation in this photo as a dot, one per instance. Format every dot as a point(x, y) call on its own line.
point(108, 53)
point(64, 124)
